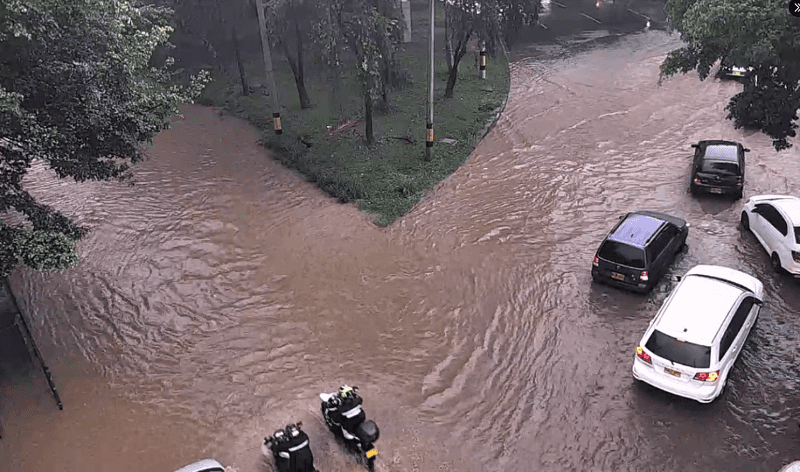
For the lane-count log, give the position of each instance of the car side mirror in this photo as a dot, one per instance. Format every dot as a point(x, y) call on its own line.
point(621, 217)
point(677, 278)
point(758, 302)
point(746, 150)
point(695, 146)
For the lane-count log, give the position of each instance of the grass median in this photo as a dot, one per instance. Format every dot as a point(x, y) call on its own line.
point(325, 143)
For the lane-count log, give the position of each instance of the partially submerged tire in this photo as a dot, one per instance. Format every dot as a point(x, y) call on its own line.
point(745, 221)
point(776, 263)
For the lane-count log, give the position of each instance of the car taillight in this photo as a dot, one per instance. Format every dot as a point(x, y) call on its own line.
point(696, 180)
point(796, 256)
point(644, 276)
point(643, 355)
point(739, 180)
point(596, 261)
point(707, 376)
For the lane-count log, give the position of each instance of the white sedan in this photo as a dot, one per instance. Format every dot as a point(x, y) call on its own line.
point(699, 332)
point(775, 222)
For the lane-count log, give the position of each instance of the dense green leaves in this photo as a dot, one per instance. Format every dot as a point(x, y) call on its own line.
point(78, 92)
point(757, 33)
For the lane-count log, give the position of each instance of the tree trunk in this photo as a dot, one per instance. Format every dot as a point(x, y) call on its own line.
point(385, 74)
point(368, 117)
point(448, 44)
point(461, 49)
point(239, 62)
point(299, 77)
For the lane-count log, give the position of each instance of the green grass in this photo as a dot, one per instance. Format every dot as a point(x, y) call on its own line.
point(389, 177)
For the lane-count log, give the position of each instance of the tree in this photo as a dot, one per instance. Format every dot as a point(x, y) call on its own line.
point(289, 23)
point(358, 27)
point(78, 92)
point(516, 14)
point(467, 19)
point(214, 24)
point(757, 33)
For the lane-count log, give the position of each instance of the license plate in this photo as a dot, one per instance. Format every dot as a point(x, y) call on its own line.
point(618, 276)
point(372, 453)
point(672, 372)
point(715, 190)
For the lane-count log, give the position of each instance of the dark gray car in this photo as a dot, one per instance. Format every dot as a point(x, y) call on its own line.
point(638, 251)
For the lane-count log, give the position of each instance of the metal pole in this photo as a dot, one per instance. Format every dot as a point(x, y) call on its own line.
point(29, 342)
point(276, 106)
point(429, 125)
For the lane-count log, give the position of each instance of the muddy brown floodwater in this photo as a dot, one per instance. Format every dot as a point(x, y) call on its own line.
point(217, 297)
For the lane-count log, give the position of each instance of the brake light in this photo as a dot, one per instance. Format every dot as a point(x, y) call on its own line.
point(644, 276)
point(696, 180)
point(643, 355)
point(796, 256)
point(596, 261)
point(707, 376)
point(739, 180)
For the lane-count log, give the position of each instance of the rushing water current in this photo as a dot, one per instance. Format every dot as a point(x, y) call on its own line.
point(219, 295)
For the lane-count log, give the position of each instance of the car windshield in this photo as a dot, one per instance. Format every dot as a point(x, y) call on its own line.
point(721, 168)
point(679, 352)
point(622, 253)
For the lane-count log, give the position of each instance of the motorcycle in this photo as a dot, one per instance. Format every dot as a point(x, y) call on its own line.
point(361, 439)
point(289, 447)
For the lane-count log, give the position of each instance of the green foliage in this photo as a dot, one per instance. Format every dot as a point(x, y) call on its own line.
point(78, 91)
point(757, 33)
point(388, 178)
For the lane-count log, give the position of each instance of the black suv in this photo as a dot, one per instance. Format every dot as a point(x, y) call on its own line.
point(637, 252)
point(718, 168)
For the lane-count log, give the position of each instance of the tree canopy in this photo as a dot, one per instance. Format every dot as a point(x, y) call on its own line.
point(757, 33)
point(78, 91)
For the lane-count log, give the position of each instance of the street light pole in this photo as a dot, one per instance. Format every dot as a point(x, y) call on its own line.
point(276, 106)
point(429, 124)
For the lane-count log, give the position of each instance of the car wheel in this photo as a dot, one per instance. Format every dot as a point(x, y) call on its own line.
point(745, 220)
point(776, 263)
point(693, 189)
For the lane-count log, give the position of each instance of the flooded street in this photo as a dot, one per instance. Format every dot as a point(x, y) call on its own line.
point(217, 297)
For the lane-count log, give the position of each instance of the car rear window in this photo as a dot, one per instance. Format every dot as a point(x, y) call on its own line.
point(721, 168)
point(680, 352)
point(622, 253)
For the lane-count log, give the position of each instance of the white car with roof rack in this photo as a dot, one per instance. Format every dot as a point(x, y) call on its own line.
point(698, 333)
point(775, 222)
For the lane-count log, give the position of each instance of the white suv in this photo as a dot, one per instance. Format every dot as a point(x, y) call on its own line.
point(775, 221)
point(694, 340)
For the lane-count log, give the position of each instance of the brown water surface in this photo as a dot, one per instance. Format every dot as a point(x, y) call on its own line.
point(217, 297)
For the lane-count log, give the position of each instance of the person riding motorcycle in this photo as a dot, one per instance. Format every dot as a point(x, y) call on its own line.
point(291, 450)
point(344, 409)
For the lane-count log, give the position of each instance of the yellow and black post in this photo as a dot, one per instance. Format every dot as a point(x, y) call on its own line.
point(276, 121)
point(483, 60)
point(429, 141)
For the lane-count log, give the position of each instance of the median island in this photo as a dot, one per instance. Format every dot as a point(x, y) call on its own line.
point(326, 142)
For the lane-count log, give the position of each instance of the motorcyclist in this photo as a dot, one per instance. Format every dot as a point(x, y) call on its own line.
point(291, 450)
point(344, 409)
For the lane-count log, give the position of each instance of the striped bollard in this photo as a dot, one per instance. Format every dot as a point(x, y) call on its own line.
point(483, 61)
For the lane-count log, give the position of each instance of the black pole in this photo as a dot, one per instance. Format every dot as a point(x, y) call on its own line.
point(29, 342)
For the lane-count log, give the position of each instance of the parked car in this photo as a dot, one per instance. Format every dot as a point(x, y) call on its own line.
point(205, 465)
point(639, 249)
point(698, 333)
point(775, 222)
point(733, 72)
point(718, 168)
